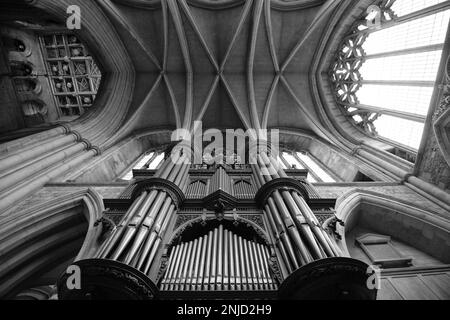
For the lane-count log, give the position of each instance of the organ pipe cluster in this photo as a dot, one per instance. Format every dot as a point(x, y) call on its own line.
point(138, 237)
point(197, 190)
point(219, 261)
point(299, 236)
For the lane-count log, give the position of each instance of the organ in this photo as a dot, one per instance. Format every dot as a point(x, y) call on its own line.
point(214, 231)
point(219, 260)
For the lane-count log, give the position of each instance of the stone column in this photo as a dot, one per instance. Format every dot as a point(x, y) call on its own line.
point(29, 163)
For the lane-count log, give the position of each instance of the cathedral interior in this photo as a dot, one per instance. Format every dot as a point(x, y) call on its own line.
point(350, 200)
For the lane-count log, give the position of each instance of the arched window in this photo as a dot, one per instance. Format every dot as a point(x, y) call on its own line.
point(386, 69)
point(303, 161)
point(149, 161)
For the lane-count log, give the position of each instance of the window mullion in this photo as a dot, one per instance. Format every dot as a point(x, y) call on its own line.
point(410, 17)
point(407, 83)
point(391, 112)
point(434, 47)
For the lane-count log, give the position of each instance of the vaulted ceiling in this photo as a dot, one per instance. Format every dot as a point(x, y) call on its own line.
point(231, 64)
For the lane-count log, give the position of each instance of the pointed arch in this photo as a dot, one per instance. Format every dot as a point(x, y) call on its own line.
point(59, 231)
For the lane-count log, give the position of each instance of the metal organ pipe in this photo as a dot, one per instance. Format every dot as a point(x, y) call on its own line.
point(138, 237)
point(226, 273)
point(220, 261)
point(171, 269)
point(246, 262)
point(219, 276)
point(163, 213)
point(295, 257)
point(118, 231)
point(206, 274)
point(190, 267)
point(198, 255)
point(187, 262)
point(201, 263)
point(281, 251)
point(238, 280)
point(145, 224)
point(178, 267)
point(299, 236)
point(214, 257)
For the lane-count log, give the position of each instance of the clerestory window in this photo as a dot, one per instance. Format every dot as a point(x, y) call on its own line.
point(386, 69)
point(149, 161)
point(303, 161)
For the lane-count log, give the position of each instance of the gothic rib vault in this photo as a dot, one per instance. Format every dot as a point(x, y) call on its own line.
point(245, 68)
point(231, 64)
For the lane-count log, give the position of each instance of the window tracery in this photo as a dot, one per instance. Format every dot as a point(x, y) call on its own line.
point(385, 70)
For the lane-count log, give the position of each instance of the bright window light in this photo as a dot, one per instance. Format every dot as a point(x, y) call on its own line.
point(414, 100)
point(316, 168)
point(142, 162)
point(394, 70)
point(403, 131)
point(426, 31)
point(292, 161)
point(418, 67)
point(404, 7)
point(311, 178)
point(156, 162)
point(128, 176)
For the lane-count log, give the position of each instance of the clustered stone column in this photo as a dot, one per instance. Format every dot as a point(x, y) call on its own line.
point(29, 163)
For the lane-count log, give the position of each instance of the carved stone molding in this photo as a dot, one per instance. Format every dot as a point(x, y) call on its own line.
point(163, 267)
point(184, 218)
point(441, 118)
point(255, 218)
point(192, 220)
point(276, 270)
point(107, 224)
point(220, 201)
